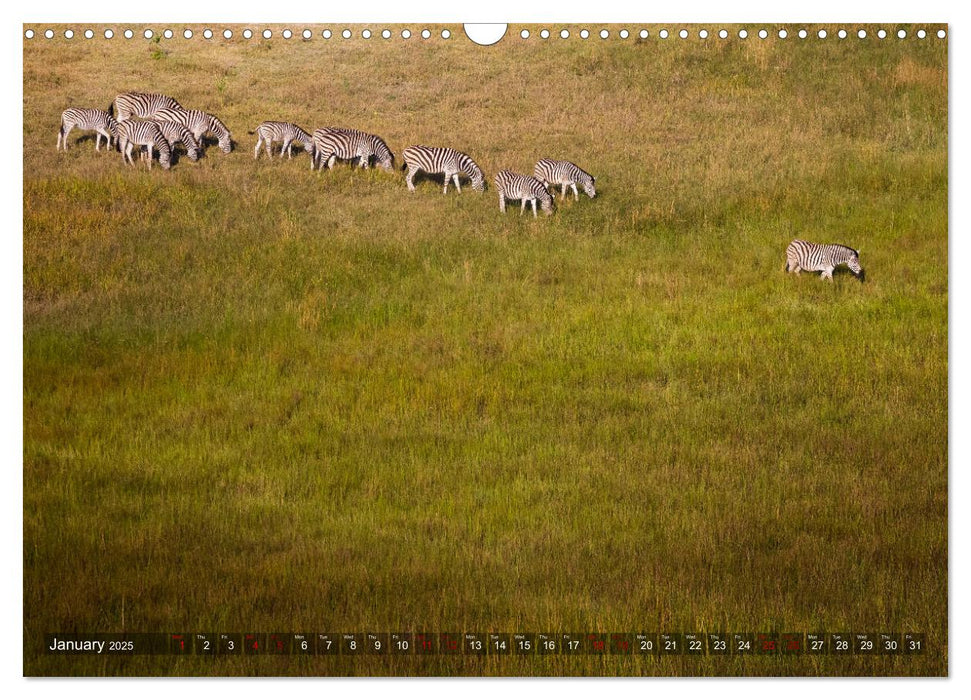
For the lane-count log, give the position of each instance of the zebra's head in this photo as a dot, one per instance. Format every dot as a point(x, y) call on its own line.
point(546, 203)
point(477, 177)
point(589, 187)
point(853, 262)
point(164, 157)
point(226, 143)
point(193, 152)
point(386, 161)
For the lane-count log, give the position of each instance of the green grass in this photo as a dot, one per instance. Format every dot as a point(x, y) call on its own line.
point(258, 398)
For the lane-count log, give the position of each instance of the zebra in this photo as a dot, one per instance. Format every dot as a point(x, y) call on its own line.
point(141, 104)
point(331, 143)
point(95, 120)
point(565, 174)
point(175, 133)
point(813, 257)
point(268, 132)
point(137, 133)
point(441, 160)
point(524, 187)
point(198, 123)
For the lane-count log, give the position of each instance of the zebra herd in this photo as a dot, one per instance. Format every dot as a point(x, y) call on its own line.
point(156, 122)
point(160, 123)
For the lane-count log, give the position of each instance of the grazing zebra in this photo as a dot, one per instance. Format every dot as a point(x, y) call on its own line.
point(175, 133)
point(441, 160)
point(268, 132)
point(199, 123)
point(89, 120)
point(565, 174)
point(141, 104)
point(813, 257)
point(136, 133)
point(332, 143)
point(524, 187)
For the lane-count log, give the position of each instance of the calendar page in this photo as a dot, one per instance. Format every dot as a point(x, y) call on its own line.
point(510, 350)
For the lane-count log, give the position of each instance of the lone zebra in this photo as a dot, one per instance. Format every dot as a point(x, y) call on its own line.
point(268, 132)
point(524, 187)
point(175, 134)
point(331, 143)
point(814, 257)
point(198, 123)
point(137, 133)
point(565, 174)
point(89, 120)
point(436, 160)
point(141, 104)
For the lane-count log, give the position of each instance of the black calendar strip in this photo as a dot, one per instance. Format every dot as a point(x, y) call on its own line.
point(488, 643)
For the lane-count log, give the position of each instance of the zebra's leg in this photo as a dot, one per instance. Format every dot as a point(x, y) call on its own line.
point(256, 151)
point(331, 160)
point(576, 195)
point(269, 147)
point(827, 274)
point(502, 202)
point(126, 153)
point(67, 131)
point(457, 185)
point(409, 179)
point(60, 136)
point(563, 190)
point(522, 209)
point(534, 208)
point(97, 140)
point(284, 148)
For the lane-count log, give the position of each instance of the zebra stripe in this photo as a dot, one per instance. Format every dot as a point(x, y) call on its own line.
point(141, 104)
point(137, 133)
point(268, 132)
point(175, 134)
point(565, 174)
point(815, 257)
point(198, 123)
point(88, 120)
point(331, 143)
point(436, 160)
point(524, 187)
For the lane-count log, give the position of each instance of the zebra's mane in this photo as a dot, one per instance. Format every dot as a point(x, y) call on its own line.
point(843, 247)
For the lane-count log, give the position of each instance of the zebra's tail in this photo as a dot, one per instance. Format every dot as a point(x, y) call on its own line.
point(404, 165)
point(111, 109)
point(250, 132)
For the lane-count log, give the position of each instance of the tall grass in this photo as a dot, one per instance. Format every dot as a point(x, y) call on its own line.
point(261, 399)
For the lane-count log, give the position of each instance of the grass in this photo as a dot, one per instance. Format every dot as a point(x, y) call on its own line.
point(258, 398)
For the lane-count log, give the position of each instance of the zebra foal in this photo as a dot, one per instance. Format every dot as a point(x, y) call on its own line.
point(138, 133)
point(565, 174)
point(526, 188)
point(814, 257)
point(88, 120)
point(141, 104)
point(331, 143)
point(448, 161)
point(268, 132)
point(198, 123)
point(175, 134)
